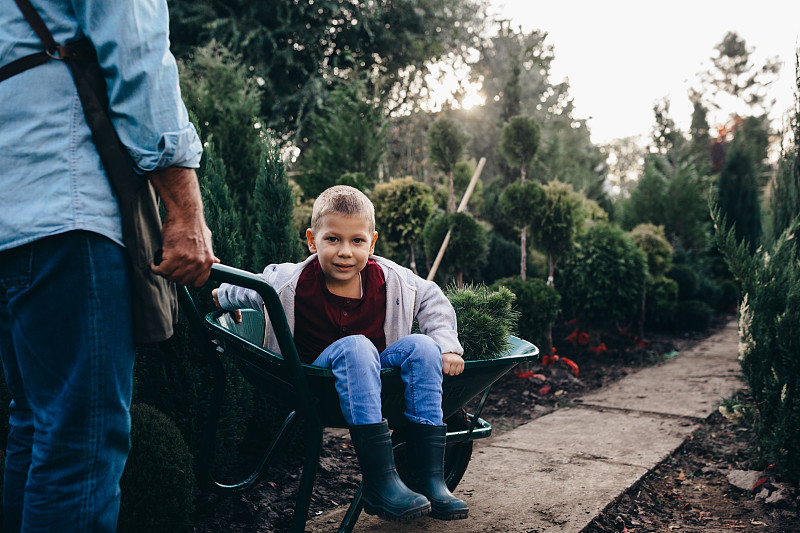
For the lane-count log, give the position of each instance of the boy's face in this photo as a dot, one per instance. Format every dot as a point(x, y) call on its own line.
point(343, 244)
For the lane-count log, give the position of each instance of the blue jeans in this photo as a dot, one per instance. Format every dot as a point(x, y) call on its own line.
point(67, 350)
point(356, 367)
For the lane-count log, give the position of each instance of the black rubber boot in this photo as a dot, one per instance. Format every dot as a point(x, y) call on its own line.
point(384, 493)
point(426, 446)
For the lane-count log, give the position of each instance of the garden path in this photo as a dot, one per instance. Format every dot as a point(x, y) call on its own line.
point(560, 471)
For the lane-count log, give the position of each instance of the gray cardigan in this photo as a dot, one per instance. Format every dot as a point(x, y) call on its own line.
point(407, 296)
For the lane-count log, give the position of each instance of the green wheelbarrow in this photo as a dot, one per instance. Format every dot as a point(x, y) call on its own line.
point(310, 392)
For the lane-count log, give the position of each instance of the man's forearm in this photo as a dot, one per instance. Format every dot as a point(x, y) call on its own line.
point(187, 253)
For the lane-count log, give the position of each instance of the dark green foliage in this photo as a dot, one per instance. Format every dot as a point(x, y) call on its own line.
point(504, 260)
point(274, 239)
point(672, 197)
point(737, 192)
point(692, 315)
point(519, 140)
point(537, 304)
point(217, 90)
point(485, 319)
point(785, 189)
point(556, 221)
point(357, 180)
point(519, 202)
point(769, 342)
point(651, 240)
point(222, 216)
point(348, 135)
point(174, 377)
point(469, 246)
point(687, 279)
point(493, 212)
point(603, 279)
point(158, 482)
point(729, 294)
point(402, 208)
point(446, 143)
point(661, 302)
point(298, 49)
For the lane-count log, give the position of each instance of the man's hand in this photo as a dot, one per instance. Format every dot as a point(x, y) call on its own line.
point(186, 240)
point(452, 364)
point(236, 314)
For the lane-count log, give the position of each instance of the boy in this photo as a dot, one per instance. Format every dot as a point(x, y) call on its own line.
point(352, 312)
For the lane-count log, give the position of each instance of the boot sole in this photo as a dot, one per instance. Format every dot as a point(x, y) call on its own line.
point(457, 515)
point(408, 515)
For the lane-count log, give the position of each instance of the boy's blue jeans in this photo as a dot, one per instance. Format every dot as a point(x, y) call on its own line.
point(356, 367)
point(67, 350)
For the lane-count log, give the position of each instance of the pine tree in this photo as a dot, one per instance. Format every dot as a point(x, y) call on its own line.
point(274, 240)
point(737, 191)
point(222, 216)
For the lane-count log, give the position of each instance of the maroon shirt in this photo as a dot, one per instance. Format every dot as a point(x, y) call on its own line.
point(321, 317)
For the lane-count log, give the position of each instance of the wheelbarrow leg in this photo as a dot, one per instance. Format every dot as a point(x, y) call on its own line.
point(353, 512)
point(313, 450)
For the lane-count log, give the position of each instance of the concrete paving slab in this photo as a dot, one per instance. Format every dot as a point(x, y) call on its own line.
point(691, 385)
point(612, 436)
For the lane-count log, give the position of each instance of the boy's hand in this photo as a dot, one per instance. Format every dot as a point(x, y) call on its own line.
point(237, 314)
point(452, 364)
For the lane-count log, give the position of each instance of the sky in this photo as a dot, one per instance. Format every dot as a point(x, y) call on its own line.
point(621, 56)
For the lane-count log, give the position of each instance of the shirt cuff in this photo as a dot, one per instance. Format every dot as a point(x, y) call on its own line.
point(175, 148)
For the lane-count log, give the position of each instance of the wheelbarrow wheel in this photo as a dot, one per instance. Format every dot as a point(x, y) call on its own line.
point(456, 457)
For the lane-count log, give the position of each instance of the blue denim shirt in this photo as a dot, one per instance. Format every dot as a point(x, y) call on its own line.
point(51, 178)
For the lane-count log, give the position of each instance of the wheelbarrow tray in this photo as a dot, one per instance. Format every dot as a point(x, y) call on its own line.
point(266, 369)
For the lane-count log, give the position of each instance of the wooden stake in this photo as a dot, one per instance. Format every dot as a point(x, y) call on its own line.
point(461, 207)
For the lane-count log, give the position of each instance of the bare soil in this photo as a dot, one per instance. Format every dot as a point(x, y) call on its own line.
point(688, 492)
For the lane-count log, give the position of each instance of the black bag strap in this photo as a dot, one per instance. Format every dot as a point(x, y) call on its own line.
point(51, 49)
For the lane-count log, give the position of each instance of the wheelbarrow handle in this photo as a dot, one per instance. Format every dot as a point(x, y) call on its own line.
point(274, 313)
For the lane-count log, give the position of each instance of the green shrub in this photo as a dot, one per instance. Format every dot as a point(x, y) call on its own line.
point(661, 302)
point(603, 280)
point(485, 319)
point(357, 180)
point(469, 245)
point(687, 279)
point(729, 294)
point(175, 378)
point(651, 240)
point(504, 258)
point(538, 307)
point(769, 345)
point(158, 481)
point(693, 315)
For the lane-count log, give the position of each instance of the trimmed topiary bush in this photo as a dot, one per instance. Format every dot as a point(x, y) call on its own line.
point(538, 306)
point(158, 482)
point(661, 302)
point(693, 315)
point(651, 240)
point(469, 245)
point(687, 279)
point(485, 319)
point(603, 279)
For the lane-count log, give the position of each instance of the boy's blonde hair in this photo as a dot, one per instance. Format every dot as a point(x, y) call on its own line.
point(342, 200)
